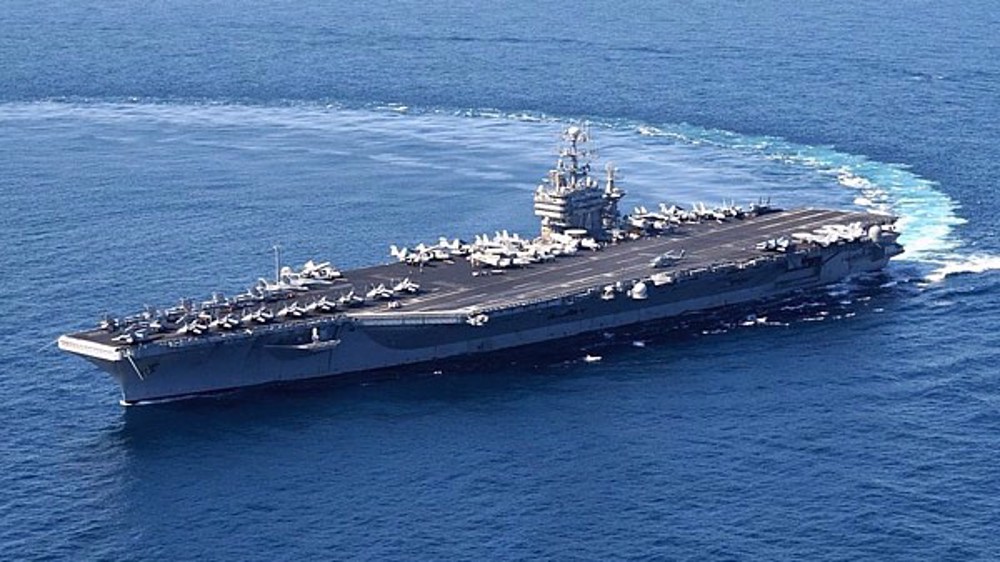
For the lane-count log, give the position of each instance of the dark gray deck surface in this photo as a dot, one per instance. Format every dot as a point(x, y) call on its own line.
point(451, 285)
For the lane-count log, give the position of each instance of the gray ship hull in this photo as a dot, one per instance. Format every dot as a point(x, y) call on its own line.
point(356, 342)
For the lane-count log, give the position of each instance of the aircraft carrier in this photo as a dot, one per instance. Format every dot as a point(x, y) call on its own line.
point(590, 269)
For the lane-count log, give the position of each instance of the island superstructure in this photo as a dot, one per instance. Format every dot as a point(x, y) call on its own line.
point(590, 269)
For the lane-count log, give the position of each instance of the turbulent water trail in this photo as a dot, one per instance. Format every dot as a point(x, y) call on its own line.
point(927, 215)
point(679, 161)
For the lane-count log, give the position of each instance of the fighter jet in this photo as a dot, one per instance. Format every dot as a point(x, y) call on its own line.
point(323, 304)
point(398, 253)
point(320, 271)
point(406, 286)
point(133, 336)
point(300, 281)
point(277, 290)
point(227, 322)
point(195, 327)
point(379, 292)
point(294, 310)
point(761, 207)
point(667, 259)
point(262, 315)
point(490, 259)
point(351, 299)
point(109, 323)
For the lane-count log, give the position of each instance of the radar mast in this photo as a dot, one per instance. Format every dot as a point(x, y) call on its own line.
point(570, 198)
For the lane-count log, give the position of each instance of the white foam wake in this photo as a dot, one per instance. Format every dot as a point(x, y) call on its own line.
point(927, 215)
point(977, 263)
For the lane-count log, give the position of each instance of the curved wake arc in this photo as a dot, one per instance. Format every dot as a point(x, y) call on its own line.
point(697, 162)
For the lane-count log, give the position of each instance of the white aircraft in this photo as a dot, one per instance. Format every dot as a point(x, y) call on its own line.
point(227, 322)
point(399, 254)
point(268, 289)
point(490, 259)
point(762, 206)
point(459, 248)
point(323, 305)
point(294, 310)
point(321, 271)
point(418, 256)
point(542, 253)
point(831, 234)
point(136, 335)
point(638, 222)
point(298, 281)
point(676, 214)
point(668, 258)
point(108, 323)
point(660, 279)
point(195, 327)
point(262, 315)
point(177, 312)
point(643, 219)
point(406, 286)
point(704, 213)
point(379, 292)
point(732, 209)
point(351, 299)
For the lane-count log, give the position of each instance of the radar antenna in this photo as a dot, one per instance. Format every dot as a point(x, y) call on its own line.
point(277, 262)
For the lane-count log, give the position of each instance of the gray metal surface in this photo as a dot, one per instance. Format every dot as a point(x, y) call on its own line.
point(522, 306)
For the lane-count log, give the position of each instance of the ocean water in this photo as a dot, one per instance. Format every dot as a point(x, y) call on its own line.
point(157, 151)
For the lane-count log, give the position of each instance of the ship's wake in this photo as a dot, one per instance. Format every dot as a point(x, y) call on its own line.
point(975, 263)
point(673, 162)
point(927, 216)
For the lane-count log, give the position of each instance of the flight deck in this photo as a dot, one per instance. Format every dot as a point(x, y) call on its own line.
point(456, 286)
point(451, 286)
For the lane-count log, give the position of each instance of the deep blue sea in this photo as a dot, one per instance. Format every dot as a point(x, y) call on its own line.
point(157, 150)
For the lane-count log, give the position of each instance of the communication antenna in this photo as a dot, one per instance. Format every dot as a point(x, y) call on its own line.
point(277, 262)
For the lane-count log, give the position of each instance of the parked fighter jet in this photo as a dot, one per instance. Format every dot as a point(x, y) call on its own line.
point(490, 259)
point(380, 291)
point(320, 271)
point(135, 335)
point(323, 304)
point(351, 299)
point(262, 315)
point(300, 281)
point(406, 286)
point(669, 258)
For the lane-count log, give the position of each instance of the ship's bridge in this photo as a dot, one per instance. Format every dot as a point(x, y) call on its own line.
point(570, 198)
